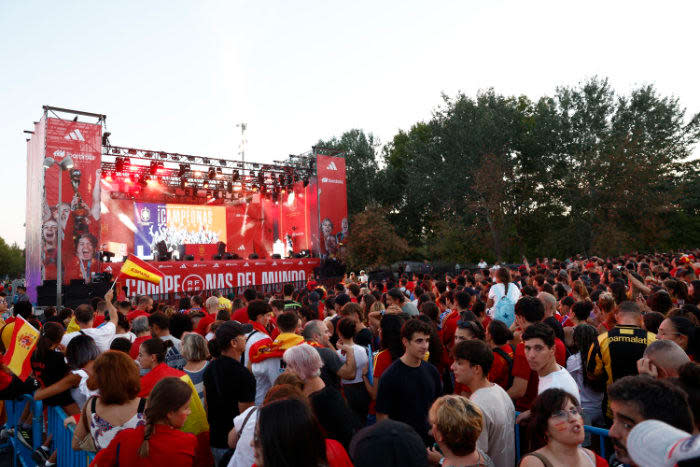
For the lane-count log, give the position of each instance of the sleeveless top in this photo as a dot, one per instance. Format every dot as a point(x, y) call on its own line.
point(103, 432)
point(547, 463)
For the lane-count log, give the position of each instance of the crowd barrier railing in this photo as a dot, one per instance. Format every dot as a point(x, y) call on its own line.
point(60, 435)
point(602, 433)
point(21, 449)
point(66, 456)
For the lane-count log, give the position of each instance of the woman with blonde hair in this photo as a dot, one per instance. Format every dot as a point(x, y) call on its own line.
point(605, 312)
point(579, 291)
point(456, 423)
point(196, 354)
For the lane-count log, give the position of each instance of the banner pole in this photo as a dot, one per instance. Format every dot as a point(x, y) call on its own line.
point(115, 281)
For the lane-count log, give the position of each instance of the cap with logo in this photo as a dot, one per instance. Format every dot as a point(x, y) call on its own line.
point(653, 443)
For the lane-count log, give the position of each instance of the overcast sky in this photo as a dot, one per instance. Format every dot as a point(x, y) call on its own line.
point(178, 76)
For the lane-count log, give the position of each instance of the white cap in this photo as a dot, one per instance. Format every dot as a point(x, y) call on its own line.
point(653, 443)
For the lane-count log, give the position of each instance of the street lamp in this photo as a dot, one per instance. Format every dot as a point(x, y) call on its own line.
point(65, 164)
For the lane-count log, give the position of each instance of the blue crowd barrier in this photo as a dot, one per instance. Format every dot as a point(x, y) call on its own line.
point(66, 456)
point(21, 449)
point(593, 430)
point(60, 436)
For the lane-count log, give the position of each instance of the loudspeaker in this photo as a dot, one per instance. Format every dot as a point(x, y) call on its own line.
point(189, 257)
point(276, 256)
point(216, 257)
point(253, 256)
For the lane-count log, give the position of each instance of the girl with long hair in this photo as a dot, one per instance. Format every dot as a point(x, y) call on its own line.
point(160, 441)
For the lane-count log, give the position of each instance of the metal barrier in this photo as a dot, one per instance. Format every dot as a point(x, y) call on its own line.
point(61, 436)
point(66, 456)
point(22, 450)
point(600, 432)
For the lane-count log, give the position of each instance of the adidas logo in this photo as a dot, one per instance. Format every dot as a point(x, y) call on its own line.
point(246, 264)
point(241, 248)
point(183, 267)
point(75, 135)
point(332, 166)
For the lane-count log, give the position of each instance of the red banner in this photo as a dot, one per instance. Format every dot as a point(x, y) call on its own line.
point(332, 204)
point(76, 216)
point(194, 276)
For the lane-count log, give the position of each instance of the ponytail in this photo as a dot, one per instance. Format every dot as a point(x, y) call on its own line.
point(167, 396)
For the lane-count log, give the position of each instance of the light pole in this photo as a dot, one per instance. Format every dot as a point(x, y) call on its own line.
point(65, 164)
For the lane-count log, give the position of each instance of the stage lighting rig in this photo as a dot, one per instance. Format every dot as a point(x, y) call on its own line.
point(184, 168)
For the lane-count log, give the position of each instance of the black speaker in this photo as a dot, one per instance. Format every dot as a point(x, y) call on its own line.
point(189, 257)
point(253, 256)
point(216, 257)
point(276, 256)
point(228, 256)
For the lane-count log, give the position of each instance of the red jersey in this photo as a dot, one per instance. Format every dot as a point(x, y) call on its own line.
point(521, 369)
point(134, 352)
point(167, 446)
point(500, 370)
point(382, 361)
point(135, 314)
point(241, 315)
point(204, 324)
point(99, 319)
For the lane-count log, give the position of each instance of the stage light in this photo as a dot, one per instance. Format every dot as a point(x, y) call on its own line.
point(254, 188)
point(219, 173)
point(205, 160)
point(205, 184)
point(153, 169)
point(235, 176)
point(229, 187)
point(197, 173)
point(119, 164)
point(211, 173)
point(222, 162)
point(130, 179)
point(152, 183)
point(184, 168)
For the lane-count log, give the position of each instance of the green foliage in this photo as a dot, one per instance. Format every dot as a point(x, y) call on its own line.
point(585, 170)
point(12, 261)
point(374, 241)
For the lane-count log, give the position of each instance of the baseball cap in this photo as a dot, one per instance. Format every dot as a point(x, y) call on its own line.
point(653, 443)
point(228, 331)
point(388, 443)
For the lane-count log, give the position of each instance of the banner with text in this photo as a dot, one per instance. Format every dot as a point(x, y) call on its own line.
point(191, 277)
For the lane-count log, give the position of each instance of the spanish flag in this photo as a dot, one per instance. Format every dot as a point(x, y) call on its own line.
point(22, 345)
point(139, 269)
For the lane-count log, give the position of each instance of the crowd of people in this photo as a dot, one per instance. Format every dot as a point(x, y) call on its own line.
point(414, 371)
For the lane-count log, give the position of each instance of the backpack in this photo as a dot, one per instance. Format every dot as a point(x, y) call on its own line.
point(505, 309)
point(509, 361)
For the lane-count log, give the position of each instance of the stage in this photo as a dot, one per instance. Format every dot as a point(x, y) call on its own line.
point(191, 277)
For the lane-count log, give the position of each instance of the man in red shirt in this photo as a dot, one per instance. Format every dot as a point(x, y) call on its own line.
point(144, 305)
point(241, 314)
point(449, 325)
point(211, 308)
point(528, 311)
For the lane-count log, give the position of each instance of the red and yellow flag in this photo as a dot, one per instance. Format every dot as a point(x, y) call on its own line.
point(139, 269)
point(22, 345)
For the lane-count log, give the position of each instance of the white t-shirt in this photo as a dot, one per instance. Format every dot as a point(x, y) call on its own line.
point(361, 362)
point(497, 438)
point(559, 379)
point(244, 455)
point(497, 291)
point(590, 399)
point(127, 335)
point(266, 372)
point(81, 394)
point(252, 339)
point(103, 335)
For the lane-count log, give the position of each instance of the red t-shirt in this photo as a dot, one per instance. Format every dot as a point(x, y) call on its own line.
point(134, 352)
point(160, 371)
point(449, 328)
point(204, 324)
point(167, 446)
point(241, 315)
point(521, 369)
point(500, 371)
point(135, 314)
point(99, 319)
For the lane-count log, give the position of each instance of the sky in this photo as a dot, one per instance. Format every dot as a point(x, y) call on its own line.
point(178, 76)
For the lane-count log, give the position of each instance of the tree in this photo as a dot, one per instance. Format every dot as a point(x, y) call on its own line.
point(374, 242)
point(12, 261)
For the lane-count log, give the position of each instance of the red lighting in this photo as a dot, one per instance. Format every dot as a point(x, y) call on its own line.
point(152, 183)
